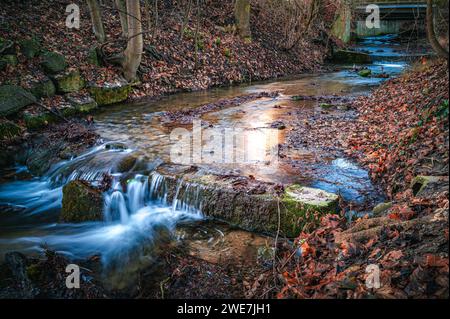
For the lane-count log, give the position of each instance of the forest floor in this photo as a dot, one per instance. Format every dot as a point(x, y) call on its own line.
point(169, 61)
point(401, 132)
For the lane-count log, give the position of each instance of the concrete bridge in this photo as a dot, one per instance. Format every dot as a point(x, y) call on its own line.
point(395, 17)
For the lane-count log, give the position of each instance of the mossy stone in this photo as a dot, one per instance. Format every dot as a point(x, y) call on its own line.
point(365, 73)
point(39, 120)
point(106, 95)
point(45, 88)
point(9, 59)
point(81, 203)
point(69, 82)
point(14, 98)
point(8, 129)
point(6, 46)
point(424, 186)
point(30, 48)
point(303, 206)
point(83, 104)
point(381, 208)
point(93, 57)
point(326, 106)
point(53, 62)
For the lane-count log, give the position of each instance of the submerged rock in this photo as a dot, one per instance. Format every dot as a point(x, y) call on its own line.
point(53, 62)
point(110, 94)
point(13, 99)
point(326, 106)
point(127, 163)
point(69, 82)
point(344, 56)
point(81, 203)
point(365, 73)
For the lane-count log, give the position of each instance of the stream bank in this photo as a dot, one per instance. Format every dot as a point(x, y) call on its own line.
point(140, 211)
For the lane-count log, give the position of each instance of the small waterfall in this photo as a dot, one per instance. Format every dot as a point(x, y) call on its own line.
point(177, 194)
point(137, 193)
point(158, 188)
point(115, 205)
point(188, 198)
point(119, 205)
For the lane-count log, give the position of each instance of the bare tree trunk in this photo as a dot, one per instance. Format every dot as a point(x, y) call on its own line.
point(156, 13)
point(97, 22)
point(440, 50)
point(133, 52)
point(242, 15)
point(122, 8)
point(185, 19)
point(196, 35)
point(148, 14)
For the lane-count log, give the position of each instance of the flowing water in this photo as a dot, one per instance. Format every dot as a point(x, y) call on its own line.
point(137, 215)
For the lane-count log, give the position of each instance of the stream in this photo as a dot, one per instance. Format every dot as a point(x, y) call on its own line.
point(135, 220)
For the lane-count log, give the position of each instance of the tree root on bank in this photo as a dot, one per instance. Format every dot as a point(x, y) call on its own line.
point(373, 227)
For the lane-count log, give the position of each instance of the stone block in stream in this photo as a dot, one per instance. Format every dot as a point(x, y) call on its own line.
point(14, 98)
point(351, 57)
point(107, 94)
point(81, 203)
point(216, 198)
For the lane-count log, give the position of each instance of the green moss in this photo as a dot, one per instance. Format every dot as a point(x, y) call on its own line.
point(13, 99)
point(81, 203)
point(107, 95)
point(53, 62)
point(9, 59)
point(34, 272)
point(8, 130)
point(381, 208)
point(93, 57)
point(37, 121)
point(365, 73)
point(30, 48)
point(83, 104)
point(69, 82)
point(326, 106)
point(6, 46)
point(305, 206)
point(45, 88)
